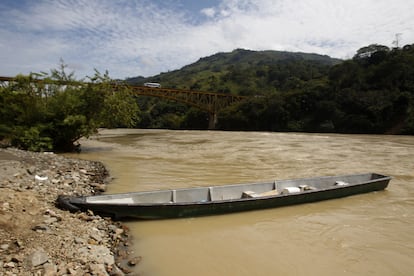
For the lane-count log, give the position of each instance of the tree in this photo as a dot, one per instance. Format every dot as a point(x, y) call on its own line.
point(53, 111)
point(368, 51)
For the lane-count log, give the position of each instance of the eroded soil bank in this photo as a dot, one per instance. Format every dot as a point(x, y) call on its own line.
point(37, 238)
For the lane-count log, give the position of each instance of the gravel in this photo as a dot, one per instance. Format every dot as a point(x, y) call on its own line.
point(37, 238)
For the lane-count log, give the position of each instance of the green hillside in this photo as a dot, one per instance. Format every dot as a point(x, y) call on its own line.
point(371, 93)
point(245, 72)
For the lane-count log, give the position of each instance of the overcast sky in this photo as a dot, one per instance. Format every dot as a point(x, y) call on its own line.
point(143, 37)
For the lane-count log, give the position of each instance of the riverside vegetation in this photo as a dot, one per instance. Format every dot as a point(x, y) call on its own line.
point(371, 93)
point(44, 112)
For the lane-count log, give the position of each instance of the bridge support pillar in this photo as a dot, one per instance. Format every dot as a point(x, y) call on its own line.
point(212, 120)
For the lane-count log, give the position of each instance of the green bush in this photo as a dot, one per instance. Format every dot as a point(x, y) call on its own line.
point(43, 112)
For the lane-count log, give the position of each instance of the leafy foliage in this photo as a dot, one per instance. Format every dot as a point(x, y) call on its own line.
point(241, 72)
point(252, 72)
point(53, 111)
point(371, 93)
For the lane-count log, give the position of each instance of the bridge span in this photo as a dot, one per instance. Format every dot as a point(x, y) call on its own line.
point(207, 101)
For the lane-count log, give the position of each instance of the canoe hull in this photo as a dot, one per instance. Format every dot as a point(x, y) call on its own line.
point(192, 209)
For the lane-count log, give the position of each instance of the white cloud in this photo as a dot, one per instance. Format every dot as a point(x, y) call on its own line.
point(131, 38)
point(209, 12)
point(337, 28)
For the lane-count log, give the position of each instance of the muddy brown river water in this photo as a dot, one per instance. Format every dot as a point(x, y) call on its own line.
point(370, 234)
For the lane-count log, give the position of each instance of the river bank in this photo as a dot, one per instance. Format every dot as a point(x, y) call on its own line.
point(37, 238)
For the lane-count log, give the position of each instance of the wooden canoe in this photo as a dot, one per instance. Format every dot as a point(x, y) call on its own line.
point(201, 201)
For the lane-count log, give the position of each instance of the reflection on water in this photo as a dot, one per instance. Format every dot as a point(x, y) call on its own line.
point(370, 234)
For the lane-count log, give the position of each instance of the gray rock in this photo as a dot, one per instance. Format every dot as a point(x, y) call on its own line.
point(96, 235)
point(119, 231)
point(99, 187)
point(112, 227)
point(83, 171)
point(49, 269)
point(17, 259)
point(19, 243)
point(31, 170)
point(50, 220)
point(53, 214)
point(98, 269)
point(96, 253)
point(9, 265)
point(79, 240)
point(37, 258)
point(40, 227)
point(134, 261)
point(116, 271)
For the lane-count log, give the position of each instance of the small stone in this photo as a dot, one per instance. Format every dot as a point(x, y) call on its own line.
point(31, 170)
point(17, 259)
point(79, 240)
point(40, 227)
point(72, 271)
point(6, 206)
point(41, 178)
point(96, 236)
point(99, 187)
point(19, 243)
point(119, 231)
point(9, 265)
point(51, 220)
point(122, 253)
point(112, 227)
point(49, 269)
point(62, 269)
point(116, 271)
point(92, 242)
point(134, 261)
point(125, 269)
point(51, 213)
point(97, 253)
point(4, 246)
point(37, 258)
point(98, 269)
point(83, 216)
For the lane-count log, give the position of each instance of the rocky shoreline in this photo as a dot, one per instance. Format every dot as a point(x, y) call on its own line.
point(37, 238)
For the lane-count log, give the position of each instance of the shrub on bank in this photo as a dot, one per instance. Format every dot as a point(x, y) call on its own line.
point(43, 112)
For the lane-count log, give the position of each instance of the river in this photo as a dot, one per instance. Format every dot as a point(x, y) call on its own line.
point(369, 234)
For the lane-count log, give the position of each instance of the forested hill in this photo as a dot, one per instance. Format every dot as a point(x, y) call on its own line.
point(371, 93)
point(245, 72)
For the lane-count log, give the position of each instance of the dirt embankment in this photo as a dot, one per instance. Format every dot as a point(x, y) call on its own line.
point(36, 238)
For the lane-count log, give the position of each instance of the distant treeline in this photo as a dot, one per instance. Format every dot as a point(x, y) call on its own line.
point(371, 93)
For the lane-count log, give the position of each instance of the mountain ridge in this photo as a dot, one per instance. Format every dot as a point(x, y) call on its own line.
point(200, 74)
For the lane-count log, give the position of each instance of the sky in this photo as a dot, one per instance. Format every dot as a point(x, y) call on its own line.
point(130, 38)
